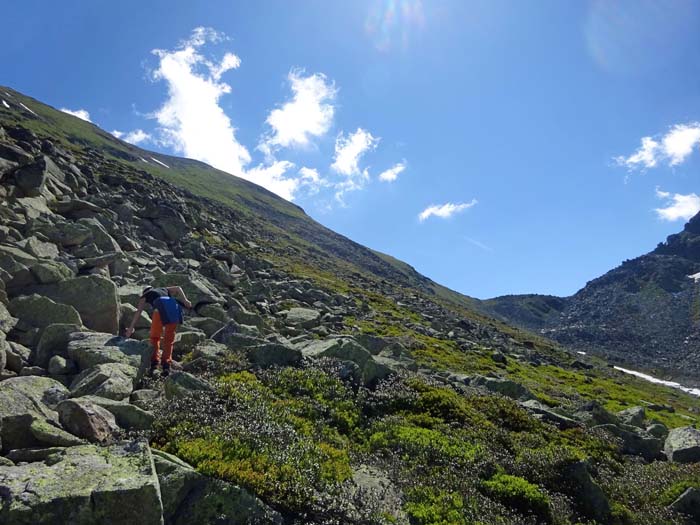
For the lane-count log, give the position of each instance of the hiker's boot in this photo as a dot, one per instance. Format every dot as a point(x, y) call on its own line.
point(166, 370)
point(152, 370)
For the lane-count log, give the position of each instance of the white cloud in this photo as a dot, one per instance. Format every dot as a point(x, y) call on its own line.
point(135, 137)
point(445, 210)
point(678, 143)
point(312, 180)
point(192, 121)
point(349, 150)
point(677, 206)
point(80, 113)
point(392, 173)
point(272, 177)
point(673, 148)
point(308, 114)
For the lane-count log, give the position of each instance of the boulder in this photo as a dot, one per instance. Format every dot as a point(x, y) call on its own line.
point(23, 400)
point(17, 356)
point(593, 414)
point(7, 322)
point(301, 317)
point(51, 435)
point(49, 272)
point(544, 413)
point(658, 430)
point(40, 312)
point(274, 354)
point(87, 420)
point(4, 347)
point(688, 503)
point(207, 325)
point(682, 445)
point(109, 380)
point(635, 441)
point(40, 249)
point(196, 288)
point(634, 416)
point(67, 234)
point(32, 177)
point(505, 387)
point(102, 239)
point(189, 497)
point(347, 349)
point(179, 384)
point(60, 366)
point(84, 485)
point(93, 296)
point(130, 294)
point(88, 349)
point(588, 495)
point(54, 341)
point(128, 416)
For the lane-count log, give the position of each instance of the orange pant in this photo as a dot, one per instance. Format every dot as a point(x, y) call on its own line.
point(168, 340)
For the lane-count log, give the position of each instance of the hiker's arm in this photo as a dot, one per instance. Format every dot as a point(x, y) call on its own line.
point(139, 309)
point(176, 290)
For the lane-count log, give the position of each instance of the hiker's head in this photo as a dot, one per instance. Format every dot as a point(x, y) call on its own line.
point(145, 291)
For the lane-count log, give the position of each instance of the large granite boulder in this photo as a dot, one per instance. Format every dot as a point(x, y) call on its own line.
point(274, 354)
point(128, 416)
point(83, 485)
point(301, 317)
point(87, 420)
point(93, 296)
point(682, 445)
point(347, 349)
point(110, 380)
point(635, 441)
point(40, 311)
point(23, 400)
point(53, 342)
point(189, 497)
point(88, 349)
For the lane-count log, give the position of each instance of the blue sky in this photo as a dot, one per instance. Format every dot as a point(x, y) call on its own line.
point(498, 147)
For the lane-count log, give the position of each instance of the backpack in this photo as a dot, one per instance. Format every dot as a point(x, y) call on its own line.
point(169, 309)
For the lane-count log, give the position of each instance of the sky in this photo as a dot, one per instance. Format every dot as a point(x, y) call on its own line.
point(496, 146)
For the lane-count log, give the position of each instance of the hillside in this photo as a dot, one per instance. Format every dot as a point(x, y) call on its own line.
point(643, 313)
point(315, 381)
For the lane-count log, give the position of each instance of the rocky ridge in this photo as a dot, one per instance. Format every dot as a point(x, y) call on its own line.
point(643, 314)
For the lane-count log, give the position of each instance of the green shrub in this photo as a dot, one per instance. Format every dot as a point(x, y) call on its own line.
point(520, 494)
point(427, 506)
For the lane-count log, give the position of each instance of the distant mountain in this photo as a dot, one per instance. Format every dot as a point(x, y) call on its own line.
point(644, 313)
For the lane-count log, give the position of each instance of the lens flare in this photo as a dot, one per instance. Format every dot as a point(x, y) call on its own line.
point(390, 23)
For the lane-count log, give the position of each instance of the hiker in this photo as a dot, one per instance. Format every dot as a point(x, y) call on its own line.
point(166, 314)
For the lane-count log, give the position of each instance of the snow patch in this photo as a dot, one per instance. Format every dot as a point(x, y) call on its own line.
point(5, 104)
point(159, 162)
point(652, 379)
point(695, 277)
point(144, 160)
point(6, 93)
point(582, 353)
point(30, 111)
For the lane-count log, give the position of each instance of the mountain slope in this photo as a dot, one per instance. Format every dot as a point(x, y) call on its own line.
point(315, 381)
point(644, 313)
